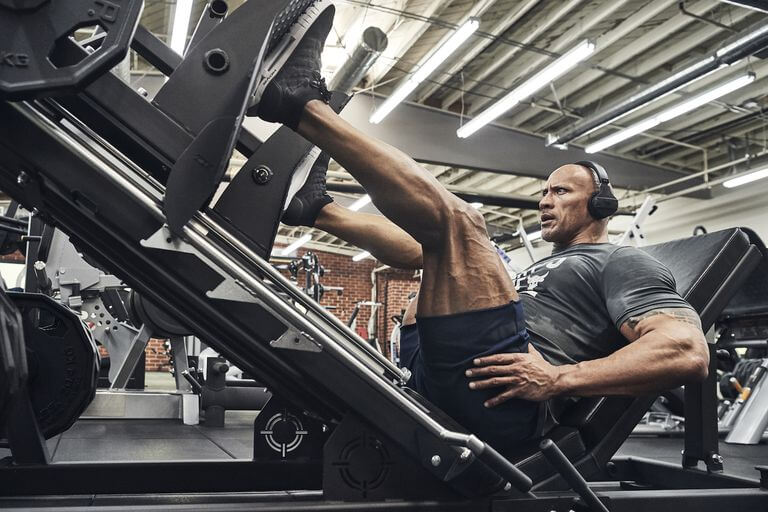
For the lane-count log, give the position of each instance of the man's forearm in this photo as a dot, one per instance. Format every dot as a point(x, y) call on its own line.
point(654, 362)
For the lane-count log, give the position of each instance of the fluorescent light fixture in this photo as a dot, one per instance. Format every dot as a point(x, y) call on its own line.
point(360, 203)
point(295, 245)
point(747, 178)
point(361, 256)
point(534, 236)
point(438, 57)
point(476, 205)
point(742, 41)
point(180, 26)
point(541, 79)
point(656, 87)
point(672, 112)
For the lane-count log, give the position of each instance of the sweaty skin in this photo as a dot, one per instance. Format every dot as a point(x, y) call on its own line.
point(667, 346)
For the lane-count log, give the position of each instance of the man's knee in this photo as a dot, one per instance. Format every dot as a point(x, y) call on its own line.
point(458, 221)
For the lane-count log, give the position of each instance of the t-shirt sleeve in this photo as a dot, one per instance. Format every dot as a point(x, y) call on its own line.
point(635, 282)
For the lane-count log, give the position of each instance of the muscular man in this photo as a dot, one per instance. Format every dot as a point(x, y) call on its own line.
point(601, 319)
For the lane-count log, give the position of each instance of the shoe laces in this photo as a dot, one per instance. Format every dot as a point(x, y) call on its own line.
point(318, 82)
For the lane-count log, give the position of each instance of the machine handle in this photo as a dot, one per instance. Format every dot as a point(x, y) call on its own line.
point(196, 387)
point(571, 475)
point(500, 464)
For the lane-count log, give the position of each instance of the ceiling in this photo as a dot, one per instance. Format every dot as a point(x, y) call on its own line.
point(638, 44)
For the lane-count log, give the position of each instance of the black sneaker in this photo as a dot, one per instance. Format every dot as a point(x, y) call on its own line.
point(304, 205)
point(290, 75)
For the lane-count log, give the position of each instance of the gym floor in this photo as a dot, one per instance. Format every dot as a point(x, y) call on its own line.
point(147, 440)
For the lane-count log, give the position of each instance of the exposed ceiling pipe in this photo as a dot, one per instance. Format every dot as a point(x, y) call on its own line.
point(751, 143)
point(688, 177)
point(651, 64)
point(757, 5)
point(718, 59)
point(561, 44)
point(499, 28)
point(706, 117)
point(753, 132)
point(681, 6)
point(499, 60)
point(629, 52)
point(707, 136)
point(373, 42)
point(708, 184)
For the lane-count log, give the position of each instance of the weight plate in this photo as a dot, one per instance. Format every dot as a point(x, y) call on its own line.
point(62, 360)
point(38, 57)
point(161, 324)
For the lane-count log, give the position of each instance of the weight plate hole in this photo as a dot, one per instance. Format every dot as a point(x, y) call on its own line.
point(64, 53)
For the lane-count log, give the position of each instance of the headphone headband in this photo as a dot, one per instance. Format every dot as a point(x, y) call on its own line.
point(596, 168)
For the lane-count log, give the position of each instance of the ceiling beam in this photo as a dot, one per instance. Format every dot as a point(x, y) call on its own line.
point(467, 194)
point(429, 135)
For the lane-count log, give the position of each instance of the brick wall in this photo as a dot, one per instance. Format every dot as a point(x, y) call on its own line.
point(353, 276)
point(157, 359)
point(394, 286)
point(14, 257)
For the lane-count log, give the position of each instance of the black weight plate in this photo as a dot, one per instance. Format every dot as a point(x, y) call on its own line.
point(37, 57)
point(161, 324)
point(62, 361)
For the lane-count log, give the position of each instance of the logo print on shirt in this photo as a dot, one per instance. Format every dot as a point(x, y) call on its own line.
point(535, 280)
point(528, 281)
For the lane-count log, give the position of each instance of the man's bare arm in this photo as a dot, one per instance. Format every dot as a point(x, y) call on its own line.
point(667, 348)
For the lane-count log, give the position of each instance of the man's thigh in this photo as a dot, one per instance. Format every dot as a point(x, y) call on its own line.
point(447, 346)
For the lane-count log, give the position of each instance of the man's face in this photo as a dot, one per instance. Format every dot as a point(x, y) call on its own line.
point(563, 207)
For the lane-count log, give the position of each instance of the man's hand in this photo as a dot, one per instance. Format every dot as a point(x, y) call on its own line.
point(527, 376)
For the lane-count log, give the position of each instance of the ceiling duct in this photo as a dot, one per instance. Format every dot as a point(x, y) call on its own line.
point(758, 5)
point(372, 44)
point(743, 46)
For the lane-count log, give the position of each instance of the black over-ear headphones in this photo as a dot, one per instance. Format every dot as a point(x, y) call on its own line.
point(602, 203)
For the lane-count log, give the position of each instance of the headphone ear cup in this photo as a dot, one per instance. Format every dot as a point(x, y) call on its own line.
point(601, 206)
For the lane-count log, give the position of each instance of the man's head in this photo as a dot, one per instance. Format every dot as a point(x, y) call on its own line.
point(565, 218)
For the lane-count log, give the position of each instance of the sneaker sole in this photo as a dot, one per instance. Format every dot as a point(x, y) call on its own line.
point(301, 174)
point(275, 60)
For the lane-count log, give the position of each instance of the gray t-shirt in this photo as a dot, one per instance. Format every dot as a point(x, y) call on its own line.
point(576, 300)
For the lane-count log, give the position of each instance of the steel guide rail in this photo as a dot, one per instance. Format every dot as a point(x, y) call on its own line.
point(338, 341)
point(152, 187)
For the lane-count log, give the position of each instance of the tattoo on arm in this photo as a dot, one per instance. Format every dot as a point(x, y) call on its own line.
point(684, 315)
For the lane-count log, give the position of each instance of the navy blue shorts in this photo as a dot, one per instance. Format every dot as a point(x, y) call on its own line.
point(439, 349)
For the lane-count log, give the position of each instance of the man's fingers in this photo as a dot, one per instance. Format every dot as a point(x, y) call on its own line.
point(484, 371)
point(494, 382)
point(499, 399)
point(497, 359)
